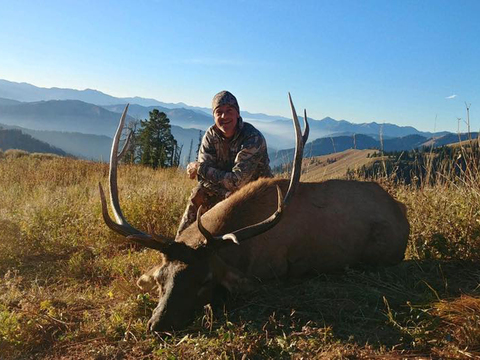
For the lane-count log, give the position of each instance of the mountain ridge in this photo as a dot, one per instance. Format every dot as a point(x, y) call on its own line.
point(76, 115)
point(17, 139)
point(334, 145)
point(97, 147)
point(28, 92)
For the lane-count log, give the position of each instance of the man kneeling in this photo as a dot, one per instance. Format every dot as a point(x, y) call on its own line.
point(232, 154)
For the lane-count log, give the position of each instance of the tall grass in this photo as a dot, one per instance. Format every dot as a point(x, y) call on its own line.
point(444, 188)
point(56, 255)
point(67, 283)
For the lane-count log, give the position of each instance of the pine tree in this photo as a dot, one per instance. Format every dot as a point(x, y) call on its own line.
point(156, 144)
point(199, 143)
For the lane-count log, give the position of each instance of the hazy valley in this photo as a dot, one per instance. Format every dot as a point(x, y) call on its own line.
point(82, 123)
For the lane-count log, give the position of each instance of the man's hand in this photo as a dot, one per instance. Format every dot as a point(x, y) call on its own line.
point(192, 169)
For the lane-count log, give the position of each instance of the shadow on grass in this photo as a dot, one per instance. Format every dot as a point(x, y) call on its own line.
point(389, 307)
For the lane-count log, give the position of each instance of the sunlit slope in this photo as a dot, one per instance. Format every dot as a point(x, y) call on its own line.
point(336, 165)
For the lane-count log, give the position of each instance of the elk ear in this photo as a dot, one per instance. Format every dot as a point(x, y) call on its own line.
point(230, 278)
point(148, 281)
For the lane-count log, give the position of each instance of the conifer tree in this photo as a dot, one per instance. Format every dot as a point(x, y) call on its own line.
point(156, 145)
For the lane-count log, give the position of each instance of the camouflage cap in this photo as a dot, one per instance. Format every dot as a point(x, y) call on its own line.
point(225, 98)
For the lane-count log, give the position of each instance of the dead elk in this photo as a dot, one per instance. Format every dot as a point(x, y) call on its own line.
point(325, 226)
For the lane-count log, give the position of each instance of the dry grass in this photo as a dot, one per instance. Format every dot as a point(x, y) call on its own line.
point(334, 166)
point(67, 282)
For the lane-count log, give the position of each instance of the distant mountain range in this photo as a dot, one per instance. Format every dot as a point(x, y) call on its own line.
point(280, 132)
point(96, 113)
point(331, 145)
point(97, 147)
point(16, 139)
point(86, 146)
point(30, 93)
point(61, 115)
point(79, 128)
point(78, 116)
point(184, 118)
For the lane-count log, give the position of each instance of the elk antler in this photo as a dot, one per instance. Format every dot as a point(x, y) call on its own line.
point(121, 225)
point(261, 227)
point(126, 145)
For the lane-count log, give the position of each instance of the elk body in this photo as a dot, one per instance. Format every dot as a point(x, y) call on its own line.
point(325, 227)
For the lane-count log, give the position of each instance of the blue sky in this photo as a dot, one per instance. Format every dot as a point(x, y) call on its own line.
point(363, 61)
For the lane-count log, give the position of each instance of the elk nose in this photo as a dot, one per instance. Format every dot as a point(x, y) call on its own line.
point(160, 321)
point(157, 324)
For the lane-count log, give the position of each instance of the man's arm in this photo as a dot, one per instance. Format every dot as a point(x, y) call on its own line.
point(206, 154)
point(246, 163)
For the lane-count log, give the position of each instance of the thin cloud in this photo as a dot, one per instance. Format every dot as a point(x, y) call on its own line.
point(451, 97)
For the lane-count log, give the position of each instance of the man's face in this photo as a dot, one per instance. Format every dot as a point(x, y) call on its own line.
point(226, 118)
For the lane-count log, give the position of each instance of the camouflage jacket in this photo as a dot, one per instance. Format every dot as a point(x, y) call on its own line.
point(226, 165)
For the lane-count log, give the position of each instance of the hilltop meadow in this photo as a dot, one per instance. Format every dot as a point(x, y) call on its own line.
point(67, 282)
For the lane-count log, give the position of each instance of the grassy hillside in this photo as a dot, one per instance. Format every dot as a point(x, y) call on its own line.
point(67, 283)
point(337, 165)
point(337, 144)
point(452, 163)
point(334, 166)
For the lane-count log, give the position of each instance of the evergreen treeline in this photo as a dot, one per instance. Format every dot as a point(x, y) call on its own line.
point(152, 143)
point(428, 165)
point(16, 139)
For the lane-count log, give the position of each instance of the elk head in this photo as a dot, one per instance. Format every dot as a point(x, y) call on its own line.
point(189, 273)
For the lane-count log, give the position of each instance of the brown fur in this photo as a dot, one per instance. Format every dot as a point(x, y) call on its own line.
point(328, 226)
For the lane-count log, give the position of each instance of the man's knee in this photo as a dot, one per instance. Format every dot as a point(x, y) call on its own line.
point(199, 196)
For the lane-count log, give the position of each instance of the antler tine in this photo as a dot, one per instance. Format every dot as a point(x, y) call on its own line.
point(117, 212)
point(297, 160)
point(121, 225)
point(257, 229)
point(246, 232)
point(106, 217)
point(306, 130)
point(141, 239)
point(126, 145)
point(208, 236)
